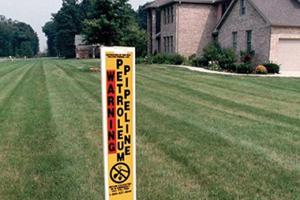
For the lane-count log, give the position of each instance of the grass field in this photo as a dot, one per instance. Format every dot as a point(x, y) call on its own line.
point(199, 136)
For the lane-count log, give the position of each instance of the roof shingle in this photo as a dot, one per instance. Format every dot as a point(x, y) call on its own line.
point(158, 3)
point(280, 12)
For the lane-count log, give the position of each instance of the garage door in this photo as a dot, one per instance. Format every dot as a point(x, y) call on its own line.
point(289, 54)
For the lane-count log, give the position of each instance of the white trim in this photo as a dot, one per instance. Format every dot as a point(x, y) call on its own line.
point(104, 120)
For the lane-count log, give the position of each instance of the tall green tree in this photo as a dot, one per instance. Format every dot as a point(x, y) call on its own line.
point(114, 23)
point(68, 23)
point(17, 39)
point(50, 31)
point(106, 22)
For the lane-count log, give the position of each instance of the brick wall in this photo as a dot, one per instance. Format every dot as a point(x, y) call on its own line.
point(195, 24)
point(252, 20)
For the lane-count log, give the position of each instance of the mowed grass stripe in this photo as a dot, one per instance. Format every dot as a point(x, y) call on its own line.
point(252, 100)
point(226, 101)
point(77, 116)
point(12, 123)
point(227, 170)
point(193, 98)
point(10, 69)
point(245, 122)
point(82, 80)
point(241, 85)
point(195, 141)
point(265, 134)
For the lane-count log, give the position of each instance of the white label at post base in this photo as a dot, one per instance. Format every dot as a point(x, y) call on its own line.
point(118, 102)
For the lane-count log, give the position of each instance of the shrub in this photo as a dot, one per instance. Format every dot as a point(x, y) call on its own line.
point(175, 59)
point(141, 60)
point(260, 69)
point(244, 68)
point(212, 52)
point(247, 57)
point(199, 62)
point(272, 67)
point(226, 59)
point(160, 59)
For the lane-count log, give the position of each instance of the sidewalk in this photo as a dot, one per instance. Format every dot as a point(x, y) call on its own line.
point(287, 74)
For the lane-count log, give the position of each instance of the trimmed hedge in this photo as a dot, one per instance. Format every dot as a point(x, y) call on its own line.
point(272, 68)
point(244, 68)
point(174, 59)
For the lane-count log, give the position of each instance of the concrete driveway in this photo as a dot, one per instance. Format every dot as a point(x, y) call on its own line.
point(289, 74)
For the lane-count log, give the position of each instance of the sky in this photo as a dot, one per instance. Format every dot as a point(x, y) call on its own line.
point(37, 13)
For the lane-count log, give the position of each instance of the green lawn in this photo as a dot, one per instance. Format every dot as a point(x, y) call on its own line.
point(200, 136)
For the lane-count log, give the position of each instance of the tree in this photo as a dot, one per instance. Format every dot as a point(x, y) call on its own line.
point(50, 31)
point(142, 17)
point(67, 25)
point(106, 22)
point(17, 39)
point(114, 23)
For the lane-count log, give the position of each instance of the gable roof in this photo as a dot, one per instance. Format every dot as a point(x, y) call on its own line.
point(280, 12)
point(159, 3)
point(274, 12)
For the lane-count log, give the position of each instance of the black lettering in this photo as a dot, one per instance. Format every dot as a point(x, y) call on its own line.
point(126, 118)
point(119, 124)
point(120, 134)
point(120, 146)
point(126, 69)
point(111, 135)
point(110, 101)
point(111, 147)
point(120, 157)
point(120, 112)
point(126, 82)
point(127, 106)
point(111, 89)
point(119, 76)
point(111, 112)
point(110, 75)
point(127, 93)
point(119, 63)
point(127, 151)
point(120, 100)
point(127, 139)
point(111, 123)
point(127, 128)
point(120, 85)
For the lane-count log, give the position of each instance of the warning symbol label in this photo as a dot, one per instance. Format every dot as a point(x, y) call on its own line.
point(120, 173)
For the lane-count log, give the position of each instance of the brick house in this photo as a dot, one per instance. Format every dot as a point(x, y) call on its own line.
point(182, 26)
point(269, 27)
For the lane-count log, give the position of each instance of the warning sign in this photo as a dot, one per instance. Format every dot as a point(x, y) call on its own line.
point(118, 99)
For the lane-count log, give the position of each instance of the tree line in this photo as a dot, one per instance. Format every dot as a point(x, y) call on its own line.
point(17, 39)
point(104, 22)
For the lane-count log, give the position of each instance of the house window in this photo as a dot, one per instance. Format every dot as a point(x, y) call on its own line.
point(168, 44)
point(249, 40)
point(165, 16)
point(169, 15)
point(172, 44)
point(243, 7)
point(165, 44)
point(172, 14)
point(234, 40)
